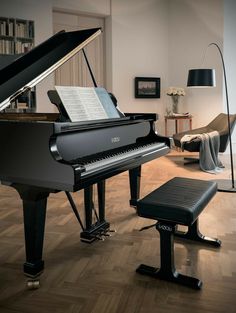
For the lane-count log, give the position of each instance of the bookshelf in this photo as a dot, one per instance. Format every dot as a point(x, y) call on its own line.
point(17, 38)
point(16, 35)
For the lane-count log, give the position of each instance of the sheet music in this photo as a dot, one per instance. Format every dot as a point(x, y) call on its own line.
point(86, 103)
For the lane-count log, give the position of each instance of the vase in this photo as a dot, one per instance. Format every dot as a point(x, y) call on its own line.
point(175, 102)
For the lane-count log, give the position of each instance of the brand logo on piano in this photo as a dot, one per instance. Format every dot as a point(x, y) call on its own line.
point(115, 139)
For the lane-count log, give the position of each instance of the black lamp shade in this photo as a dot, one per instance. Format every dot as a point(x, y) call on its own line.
point(203, 77)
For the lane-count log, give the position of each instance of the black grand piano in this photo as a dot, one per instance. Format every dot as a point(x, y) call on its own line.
point(46, 153)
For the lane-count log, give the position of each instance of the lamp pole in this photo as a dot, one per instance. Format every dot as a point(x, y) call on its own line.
point(228, 115)
point(206, 78)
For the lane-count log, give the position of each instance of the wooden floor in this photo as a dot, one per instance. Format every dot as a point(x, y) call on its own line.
point(101, 277)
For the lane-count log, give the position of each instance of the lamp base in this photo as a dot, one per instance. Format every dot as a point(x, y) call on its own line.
point(225, 185)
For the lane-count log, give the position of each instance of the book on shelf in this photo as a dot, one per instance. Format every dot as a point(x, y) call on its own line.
point(6, 46)
point(22, 105)
point(87, 103)
point(3, 28)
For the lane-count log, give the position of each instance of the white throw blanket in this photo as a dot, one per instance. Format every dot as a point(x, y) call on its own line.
point(209, 149)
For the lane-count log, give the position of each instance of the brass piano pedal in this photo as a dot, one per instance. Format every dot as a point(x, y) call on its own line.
point(33, 284)
point(98, 237)
point(106, 234)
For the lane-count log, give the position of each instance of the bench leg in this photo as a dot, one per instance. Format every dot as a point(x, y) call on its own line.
point(167, 269)
point(193, 233)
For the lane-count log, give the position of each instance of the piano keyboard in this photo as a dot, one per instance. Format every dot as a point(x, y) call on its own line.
point(116, 158)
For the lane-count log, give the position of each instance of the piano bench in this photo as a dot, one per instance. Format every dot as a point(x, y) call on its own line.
point(178, 201)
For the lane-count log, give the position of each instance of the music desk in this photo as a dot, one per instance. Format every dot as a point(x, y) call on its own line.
point(178, 122)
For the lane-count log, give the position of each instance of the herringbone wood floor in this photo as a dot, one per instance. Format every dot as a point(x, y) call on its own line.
point(101, 278)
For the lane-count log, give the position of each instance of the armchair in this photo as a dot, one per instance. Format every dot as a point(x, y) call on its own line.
point(220, 124)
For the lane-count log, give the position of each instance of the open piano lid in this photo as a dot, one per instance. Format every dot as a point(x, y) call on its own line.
point(28, 70)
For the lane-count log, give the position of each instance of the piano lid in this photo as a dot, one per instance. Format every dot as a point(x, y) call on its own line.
point(28, 70)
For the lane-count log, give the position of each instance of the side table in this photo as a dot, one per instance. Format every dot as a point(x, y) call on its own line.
point(178, 122)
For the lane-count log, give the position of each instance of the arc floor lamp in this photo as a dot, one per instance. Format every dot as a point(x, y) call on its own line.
point(206, 78)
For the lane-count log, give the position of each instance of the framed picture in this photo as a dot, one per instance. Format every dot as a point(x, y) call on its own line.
point(147, 87)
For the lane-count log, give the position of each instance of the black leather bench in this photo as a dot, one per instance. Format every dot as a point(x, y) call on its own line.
point(179, 201)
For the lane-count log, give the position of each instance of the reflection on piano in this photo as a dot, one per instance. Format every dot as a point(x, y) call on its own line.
point(46, 153)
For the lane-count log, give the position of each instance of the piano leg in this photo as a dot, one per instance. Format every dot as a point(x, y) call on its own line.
point(134, 182)
point(101, 200)
point(94, 231)
point(34, 208)
point(88, 206)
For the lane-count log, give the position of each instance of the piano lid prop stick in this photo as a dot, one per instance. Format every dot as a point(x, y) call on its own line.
point(73, 206)
point(90, 70)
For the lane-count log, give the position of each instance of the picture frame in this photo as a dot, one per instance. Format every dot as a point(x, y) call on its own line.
point(147, 87)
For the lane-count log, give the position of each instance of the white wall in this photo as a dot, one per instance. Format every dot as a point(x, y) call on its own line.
point(193, 25)
point(139, 48)
point(165, 38)
point(96, 7)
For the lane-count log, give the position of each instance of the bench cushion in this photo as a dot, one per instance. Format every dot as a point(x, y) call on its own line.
point(180, 200)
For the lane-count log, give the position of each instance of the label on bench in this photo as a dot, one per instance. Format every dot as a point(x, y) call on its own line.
point(164, 227)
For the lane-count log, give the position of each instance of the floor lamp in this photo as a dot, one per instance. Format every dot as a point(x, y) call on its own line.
point(206, 78)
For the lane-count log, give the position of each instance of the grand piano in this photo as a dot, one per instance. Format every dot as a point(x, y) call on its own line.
point(46, 153)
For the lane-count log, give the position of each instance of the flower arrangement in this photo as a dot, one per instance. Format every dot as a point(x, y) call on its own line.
point(175, 93)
